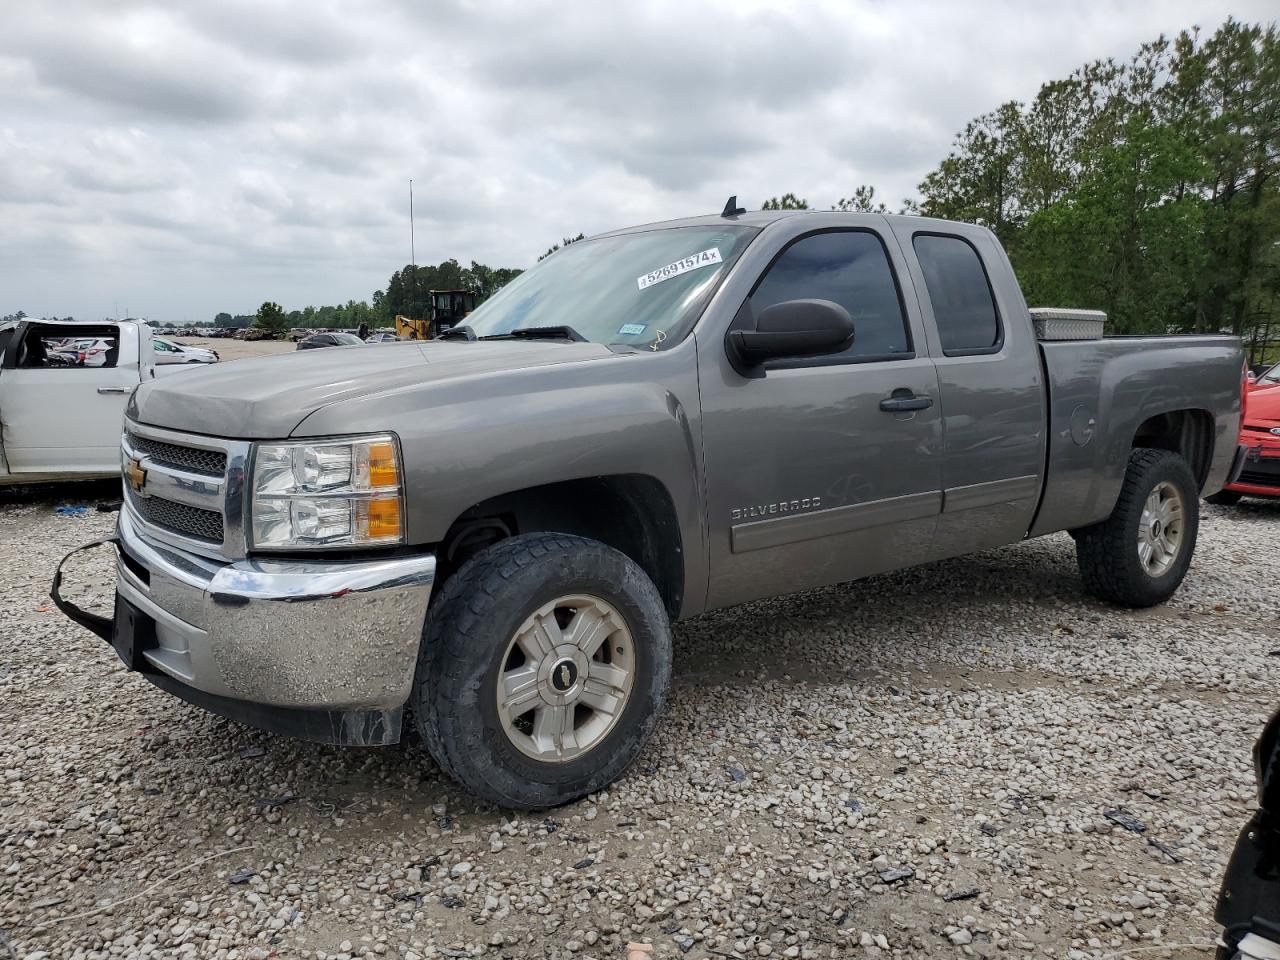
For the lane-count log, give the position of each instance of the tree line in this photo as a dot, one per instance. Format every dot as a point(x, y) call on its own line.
point(405, 294)
point(1147, 188)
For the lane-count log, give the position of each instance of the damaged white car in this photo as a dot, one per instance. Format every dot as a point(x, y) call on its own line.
point(60, 406)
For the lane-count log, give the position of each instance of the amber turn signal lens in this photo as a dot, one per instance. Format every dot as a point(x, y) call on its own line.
point(380, 519)
point(382, 465)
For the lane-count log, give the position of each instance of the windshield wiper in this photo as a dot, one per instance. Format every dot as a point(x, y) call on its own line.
point(460, 332)
point(560, 332)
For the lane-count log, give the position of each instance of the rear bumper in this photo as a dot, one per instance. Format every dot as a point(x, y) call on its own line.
point(321, 650)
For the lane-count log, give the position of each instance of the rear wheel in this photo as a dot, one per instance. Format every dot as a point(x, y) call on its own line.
point(1139, 555)
point(544, 666)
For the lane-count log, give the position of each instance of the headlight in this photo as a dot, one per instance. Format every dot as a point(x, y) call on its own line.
point(331, 493)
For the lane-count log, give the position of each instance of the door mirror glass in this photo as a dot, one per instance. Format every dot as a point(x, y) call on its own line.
point(793, 328)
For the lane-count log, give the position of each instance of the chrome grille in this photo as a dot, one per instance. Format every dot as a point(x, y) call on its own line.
point(210, 463)
point(189, 492)
point(180, 517)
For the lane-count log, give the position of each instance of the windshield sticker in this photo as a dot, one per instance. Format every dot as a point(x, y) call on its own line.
point(704, 259)
point(632, 329)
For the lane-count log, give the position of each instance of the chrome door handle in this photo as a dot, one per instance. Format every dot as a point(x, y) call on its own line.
point(905, 402)
point(113, 389)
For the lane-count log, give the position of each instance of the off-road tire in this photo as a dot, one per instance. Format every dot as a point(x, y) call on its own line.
point(1107, 552)
point(1225, 498)
point(466, 636)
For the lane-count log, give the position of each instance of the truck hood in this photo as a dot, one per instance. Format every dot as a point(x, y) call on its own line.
point(267, 397)
point(1262, 406)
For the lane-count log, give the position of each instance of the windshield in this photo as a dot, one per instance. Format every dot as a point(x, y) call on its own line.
point(1271, 376)
point(637, 289)
point(345, 339)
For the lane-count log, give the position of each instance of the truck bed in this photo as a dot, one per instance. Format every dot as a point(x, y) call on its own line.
point(1101, 393)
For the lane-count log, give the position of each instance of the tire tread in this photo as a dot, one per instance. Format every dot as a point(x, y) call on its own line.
point(453, 633)
point(1102, 550)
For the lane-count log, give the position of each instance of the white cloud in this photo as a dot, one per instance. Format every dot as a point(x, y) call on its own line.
point(183, 157)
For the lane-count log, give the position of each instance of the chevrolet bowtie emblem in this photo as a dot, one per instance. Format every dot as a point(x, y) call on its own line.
point(134, 475)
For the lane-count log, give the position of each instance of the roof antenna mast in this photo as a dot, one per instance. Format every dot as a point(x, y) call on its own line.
point(731, 209)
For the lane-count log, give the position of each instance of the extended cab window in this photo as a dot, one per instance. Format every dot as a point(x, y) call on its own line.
point(963, 306)
point(852, 269)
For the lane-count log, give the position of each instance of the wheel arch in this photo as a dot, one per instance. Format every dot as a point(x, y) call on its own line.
point(633, 513)
point(1187, 432)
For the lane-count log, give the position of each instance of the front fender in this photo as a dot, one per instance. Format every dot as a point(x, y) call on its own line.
point(470, 439)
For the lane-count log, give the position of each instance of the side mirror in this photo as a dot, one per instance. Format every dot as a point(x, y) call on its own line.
point(793, 328)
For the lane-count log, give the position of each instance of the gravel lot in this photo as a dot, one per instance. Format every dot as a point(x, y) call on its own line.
point(920, 764)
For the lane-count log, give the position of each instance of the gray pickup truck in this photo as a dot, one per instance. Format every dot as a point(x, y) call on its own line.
point(489, 535)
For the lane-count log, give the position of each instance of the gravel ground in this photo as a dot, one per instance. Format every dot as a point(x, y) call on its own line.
point(964, 759)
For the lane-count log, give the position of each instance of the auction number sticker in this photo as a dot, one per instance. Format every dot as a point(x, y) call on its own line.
point(692, 262)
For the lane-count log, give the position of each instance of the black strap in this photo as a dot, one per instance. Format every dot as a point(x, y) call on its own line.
point(99, 626)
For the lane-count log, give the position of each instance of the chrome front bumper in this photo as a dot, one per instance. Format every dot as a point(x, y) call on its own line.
point(335, 637)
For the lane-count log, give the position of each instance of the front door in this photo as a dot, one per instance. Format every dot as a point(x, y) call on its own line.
point(61, 408)
point(819, 470)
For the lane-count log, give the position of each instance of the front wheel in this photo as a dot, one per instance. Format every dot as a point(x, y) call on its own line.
point(1138, 556)
point(544, 667)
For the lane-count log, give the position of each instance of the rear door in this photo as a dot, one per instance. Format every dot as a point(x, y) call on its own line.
point(60, 417)
point(990, 383)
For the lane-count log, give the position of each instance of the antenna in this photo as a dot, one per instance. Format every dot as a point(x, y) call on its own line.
point(413, 259)
point(731, 209)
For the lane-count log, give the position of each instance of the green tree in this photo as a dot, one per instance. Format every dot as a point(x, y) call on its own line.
point(788, 201)
point(862, 201)
point(1148, 186)
point(271, 316)
point(563, 243)
point(1123, 240)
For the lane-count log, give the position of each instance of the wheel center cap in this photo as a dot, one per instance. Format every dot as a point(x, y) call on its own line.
point(1155, 528)
point(564, 675)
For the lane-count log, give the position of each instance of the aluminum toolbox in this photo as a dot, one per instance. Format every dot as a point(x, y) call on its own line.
point(1059, 323)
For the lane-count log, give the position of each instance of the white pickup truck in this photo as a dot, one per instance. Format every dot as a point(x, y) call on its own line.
point(60, 416)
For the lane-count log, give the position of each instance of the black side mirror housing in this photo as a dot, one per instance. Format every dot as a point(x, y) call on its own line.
point(793, 328)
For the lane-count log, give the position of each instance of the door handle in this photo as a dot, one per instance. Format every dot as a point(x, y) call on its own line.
point(905, 401)
point(113, 389)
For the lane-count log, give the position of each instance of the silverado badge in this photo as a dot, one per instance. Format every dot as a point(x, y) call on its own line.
point(134, 475)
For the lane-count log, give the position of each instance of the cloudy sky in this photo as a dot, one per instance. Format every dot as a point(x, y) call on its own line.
point(182, 157)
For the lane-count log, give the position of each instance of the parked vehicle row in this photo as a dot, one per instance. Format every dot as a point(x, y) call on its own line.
point(494, 531)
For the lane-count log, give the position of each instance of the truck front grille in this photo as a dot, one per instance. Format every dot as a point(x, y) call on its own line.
point(181, 518)
point(210, 463)
point(186, 489)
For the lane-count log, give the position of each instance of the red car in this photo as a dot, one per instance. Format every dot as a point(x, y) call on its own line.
point(1260, 432)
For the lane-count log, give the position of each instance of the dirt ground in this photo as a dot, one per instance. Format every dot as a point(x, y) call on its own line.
point(230, 349)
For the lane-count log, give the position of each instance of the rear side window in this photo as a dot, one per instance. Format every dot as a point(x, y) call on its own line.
point(960, 293)
point(852, 269)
